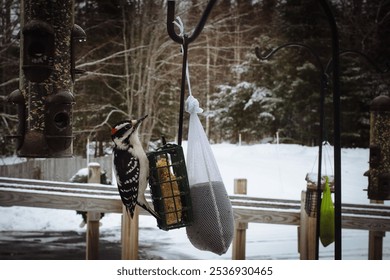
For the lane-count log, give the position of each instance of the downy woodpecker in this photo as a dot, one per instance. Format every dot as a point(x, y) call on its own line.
point(131, 165)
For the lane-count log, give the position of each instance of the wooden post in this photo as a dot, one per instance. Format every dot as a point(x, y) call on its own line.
point(130, 235)
point(306, 233)
point(93, 217)
point(240, 186)
point(93, 235)
point(302, 229)
point(375, 245)
point(375, 240)
point(239, 239)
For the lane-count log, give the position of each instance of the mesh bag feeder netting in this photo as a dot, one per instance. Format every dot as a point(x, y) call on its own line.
point(213, 222)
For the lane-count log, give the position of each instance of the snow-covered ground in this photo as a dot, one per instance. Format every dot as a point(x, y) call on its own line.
point(272, 171)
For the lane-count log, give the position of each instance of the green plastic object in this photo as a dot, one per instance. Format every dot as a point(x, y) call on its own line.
point(169, 187)
point(327, 217)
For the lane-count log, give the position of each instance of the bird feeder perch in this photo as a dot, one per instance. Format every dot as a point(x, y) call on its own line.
point(169, 187)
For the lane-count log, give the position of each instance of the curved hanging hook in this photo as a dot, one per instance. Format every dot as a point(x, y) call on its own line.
point(366, 57)
point(198, 28)
point(293, 44)
point(184, 40)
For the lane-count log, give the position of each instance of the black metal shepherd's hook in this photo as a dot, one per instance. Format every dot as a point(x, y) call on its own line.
point(336, 119)
point(325, 72)
point(185, 40)
point(323, 87)
point(336, 126)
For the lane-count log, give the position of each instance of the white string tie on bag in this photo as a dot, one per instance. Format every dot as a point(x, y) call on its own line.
point(192, 105)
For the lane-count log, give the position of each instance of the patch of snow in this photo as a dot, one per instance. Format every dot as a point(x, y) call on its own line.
point(11, 160)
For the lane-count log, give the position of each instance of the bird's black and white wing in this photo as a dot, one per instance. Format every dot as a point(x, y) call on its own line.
point(127, 175)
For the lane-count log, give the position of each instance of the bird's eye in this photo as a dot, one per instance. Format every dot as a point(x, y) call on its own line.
point(128, 126)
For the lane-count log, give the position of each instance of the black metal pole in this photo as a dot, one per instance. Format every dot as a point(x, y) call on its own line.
point(336, 126)
point(182, 90)
point(323, 85)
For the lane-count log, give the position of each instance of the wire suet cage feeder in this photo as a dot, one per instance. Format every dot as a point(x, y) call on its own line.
point(169, 187)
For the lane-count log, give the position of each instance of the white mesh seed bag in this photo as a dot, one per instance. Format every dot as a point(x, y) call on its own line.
point(213, 226)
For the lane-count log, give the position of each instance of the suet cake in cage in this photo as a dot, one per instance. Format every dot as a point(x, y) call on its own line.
point(170, 192)
point(169, 187)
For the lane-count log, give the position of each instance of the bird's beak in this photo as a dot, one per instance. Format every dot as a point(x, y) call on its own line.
point(139, 121)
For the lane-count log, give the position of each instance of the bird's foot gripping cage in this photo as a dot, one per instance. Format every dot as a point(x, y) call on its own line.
point(169, 187)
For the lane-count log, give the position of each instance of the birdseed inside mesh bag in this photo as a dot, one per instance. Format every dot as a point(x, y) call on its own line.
point(213, 225)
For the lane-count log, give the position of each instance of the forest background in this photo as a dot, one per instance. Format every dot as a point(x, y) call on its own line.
point(133, 68)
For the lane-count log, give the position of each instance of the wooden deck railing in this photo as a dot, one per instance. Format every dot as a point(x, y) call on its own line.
point(97, 198)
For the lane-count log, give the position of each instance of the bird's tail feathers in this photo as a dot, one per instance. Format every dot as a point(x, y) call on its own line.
point(129, 212)
point(150, 210)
